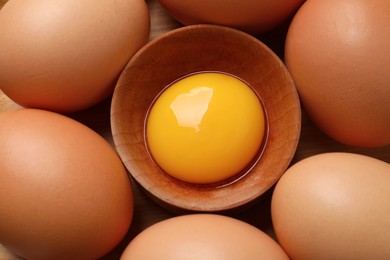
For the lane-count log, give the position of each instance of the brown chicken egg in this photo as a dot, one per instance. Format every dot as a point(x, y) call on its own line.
point(338, 53)
point(334, 206)
point(252, 16)
point(65, 56)
point(64, 191)
point(203, 236)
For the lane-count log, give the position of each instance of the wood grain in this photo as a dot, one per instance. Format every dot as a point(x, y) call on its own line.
point(147, 212)
point(193, 49)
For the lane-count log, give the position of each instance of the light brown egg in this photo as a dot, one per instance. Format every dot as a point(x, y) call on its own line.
point(253, 16)
point(334, 206)
point(64, 191)
point(203, 236)
point(65, 56)
point(338, 54)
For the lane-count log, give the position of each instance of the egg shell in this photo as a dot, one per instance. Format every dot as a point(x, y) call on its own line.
point(252, 16)
point(334, 206)
point(338, 54)
point(66, 56)
point(64, 191)
point(202, 236)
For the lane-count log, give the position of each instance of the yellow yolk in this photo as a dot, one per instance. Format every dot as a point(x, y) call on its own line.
point(205, 128)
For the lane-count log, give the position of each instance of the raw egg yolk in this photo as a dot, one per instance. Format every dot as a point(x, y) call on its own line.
point(205, 128)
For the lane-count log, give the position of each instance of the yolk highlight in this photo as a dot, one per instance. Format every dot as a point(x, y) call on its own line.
point(205, 128)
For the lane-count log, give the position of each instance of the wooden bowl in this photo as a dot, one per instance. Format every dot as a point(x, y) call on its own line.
point(193, 49)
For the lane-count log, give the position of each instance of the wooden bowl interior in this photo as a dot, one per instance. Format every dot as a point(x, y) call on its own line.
point(205, 48)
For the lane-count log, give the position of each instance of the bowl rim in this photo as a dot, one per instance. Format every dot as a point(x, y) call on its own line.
point(170, 200)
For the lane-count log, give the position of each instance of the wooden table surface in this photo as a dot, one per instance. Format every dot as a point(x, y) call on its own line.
point(312, 141)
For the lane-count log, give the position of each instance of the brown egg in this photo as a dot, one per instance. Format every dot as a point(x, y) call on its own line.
point(203, 236)
point(338, 54)
point(253, 16)
point(64, 191)
point(334, 206)
point(65, 56)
